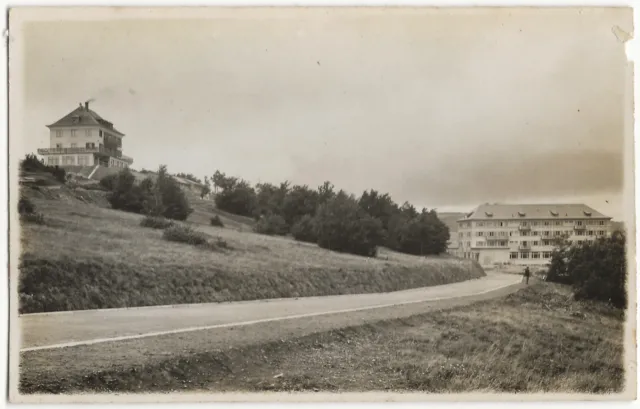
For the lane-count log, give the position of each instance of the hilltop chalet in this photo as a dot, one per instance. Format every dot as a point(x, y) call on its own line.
point(84, 138)
point(524, 234)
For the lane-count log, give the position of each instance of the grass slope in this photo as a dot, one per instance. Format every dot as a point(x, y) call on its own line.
point(88, 257)
point(536, 340)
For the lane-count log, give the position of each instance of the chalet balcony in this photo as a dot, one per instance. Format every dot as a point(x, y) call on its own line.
point(524, 247)
point(579, 227)
point(524, 228)
point(96, 149)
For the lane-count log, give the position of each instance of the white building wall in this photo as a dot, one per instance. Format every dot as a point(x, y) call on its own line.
point(66, 137)
point(475, 237)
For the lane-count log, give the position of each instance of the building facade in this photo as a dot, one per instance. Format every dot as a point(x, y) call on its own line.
point(525, 234)
point(83, 138)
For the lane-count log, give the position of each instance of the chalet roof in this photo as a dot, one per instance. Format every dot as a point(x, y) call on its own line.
point(83, 116)
point(533, 211)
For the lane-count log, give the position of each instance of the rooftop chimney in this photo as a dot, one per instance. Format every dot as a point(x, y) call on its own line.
point(86, 106)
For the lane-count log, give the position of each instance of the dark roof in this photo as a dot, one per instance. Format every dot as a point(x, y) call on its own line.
point(533, 211)
point(83, 116)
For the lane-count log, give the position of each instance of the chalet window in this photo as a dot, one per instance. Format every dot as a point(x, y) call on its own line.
point(546, 254)
point(91, 145)
point(74, 132)
point(87, 132)
point(58, 145)
point(524, 255)
point(535, 255)
point(58, 134)
point(513, 255)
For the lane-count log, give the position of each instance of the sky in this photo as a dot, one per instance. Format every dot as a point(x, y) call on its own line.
point(444, 109)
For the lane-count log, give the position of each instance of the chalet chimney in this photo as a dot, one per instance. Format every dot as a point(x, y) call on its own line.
point(86, 106)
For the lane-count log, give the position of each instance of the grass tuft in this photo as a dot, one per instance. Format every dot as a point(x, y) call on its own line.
point(156, 222)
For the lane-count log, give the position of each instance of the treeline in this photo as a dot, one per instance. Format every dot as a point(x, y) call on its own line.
point(334, 220)
point(161, 197)
point(596, 270)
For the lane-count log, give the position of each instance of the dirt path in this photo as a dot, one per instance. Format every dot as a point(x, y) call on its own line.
point(59, 368)
point(75, 328)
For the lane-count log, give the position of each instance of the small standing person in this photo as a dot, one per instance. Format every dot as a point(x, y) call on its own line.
point(527, 274)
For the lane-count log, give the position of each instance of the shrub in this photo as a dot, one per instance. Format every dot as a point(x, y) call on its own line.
point(31, 163)
point(305, 230)
point(25, 206)
point(343, 226)
point(272, 224)
point(221, 243)
point(156, 222)
point(216, 221)
point(125, 195)
point(184, 234)
point(174, 201)
point(109, 182)
point(596, 270)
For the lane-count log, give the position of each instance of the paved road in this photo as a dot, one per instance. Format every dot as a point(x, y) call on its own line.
point(58, 330)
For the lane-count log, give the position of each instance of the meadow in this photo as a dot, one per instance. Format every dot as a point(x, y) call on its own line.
point(88, 256)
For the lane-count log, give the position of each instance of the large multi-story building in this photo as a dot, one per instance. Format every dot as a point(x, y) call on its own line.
point(525, 234)
point(84, 138)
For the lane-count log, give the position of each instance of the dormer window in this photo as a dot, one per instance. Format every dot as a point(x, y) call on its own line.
point(588, 214)
point(554, 214)
point(489, 214)
point(522, 214)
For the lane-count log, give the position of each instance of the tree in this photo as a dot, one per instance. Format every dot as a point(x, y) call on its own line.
point(272, 224)
point(422, 234)
point(378, 206)
point(305, 229)
point(596, 269)
point(298, 202)
point(325, 192)
point(206, 188)
point(173, 200)
point(341, 225)
point(237, 196)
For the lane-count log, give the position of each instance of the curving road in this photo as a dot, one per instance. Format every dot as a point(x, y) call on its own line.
point(51, 331)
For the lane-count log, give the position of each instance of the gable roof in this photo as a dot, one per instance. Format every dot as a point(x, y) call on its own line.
point(533, 211)
point(83, 116)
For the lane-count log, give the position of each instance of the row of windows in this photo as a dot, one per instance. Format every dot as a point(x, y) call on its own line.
point(546, 233)
point(74, 133)
point(503, 243)
point(83, 160)
point(75, 145)
point(527, 255)
point(535, 223)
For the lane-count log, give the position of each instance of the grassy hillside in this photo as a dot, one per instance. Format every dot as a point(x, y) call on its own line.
point(87, 257)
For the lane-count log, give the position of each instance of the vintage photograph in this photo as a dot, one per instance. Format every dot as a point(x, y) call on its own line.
point(316, 203)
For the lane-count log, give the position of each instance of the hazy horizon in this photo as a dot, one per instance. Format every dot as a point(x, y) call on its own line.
point(445, 109)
